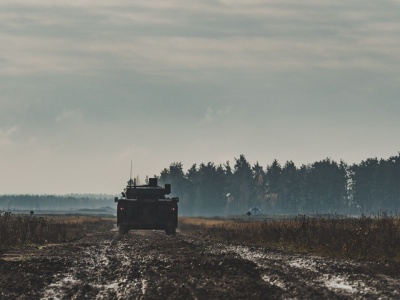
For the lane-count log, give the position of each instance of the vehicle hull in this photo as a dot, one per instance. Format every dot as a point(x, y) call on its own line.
point(149, 214)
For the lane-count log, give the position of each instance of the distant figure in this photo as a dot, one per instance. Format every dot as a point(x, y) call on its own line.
point(32, 212)
point(254, 210)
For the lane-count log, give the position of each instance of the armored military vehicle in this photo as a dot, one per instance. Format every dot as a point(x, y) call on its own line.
point(147, 207)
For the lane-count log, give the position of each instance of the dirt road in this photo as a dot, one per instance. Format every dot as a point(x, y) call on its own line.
point(151, 265)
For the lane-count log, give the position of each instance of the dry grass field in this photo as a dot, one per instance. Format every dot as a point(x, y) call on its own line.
point(375, 237)
point(358, 238)
point(23, 229)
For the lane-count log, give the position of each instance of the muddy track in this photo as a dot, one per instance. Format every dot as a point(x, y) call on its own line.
point(151, 265)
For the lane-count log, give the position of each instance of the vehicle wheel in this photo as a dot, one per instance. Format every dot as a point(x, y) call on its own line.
point(170, 230)
point(173, 231)
point(123, 229)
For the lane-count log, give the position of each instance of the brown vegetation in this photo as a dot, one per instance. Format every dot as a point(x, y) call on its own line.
point(23, 229)
point(365, 238)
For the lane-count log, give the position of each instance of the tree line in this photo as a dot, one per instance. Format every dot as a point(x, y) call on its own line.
point(324, 186)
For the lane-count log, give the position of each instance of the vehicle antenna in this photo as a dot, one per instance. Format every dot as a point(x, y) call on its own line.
point(131, 170)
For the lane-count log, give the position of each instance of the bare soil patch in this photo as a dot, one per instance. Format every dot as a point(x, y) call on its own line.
point(151, 265)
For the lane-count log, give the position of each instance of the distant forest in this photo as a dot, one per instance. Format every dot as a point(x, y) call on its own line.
point(325, 186)
point(54, 202)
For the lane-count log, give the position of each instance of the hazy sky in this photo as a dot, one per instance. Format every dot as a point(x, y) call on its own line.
point(86, 87)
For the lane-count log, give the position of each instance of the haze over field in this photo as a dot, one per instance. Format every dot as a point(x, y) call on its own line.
point(86, 87)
